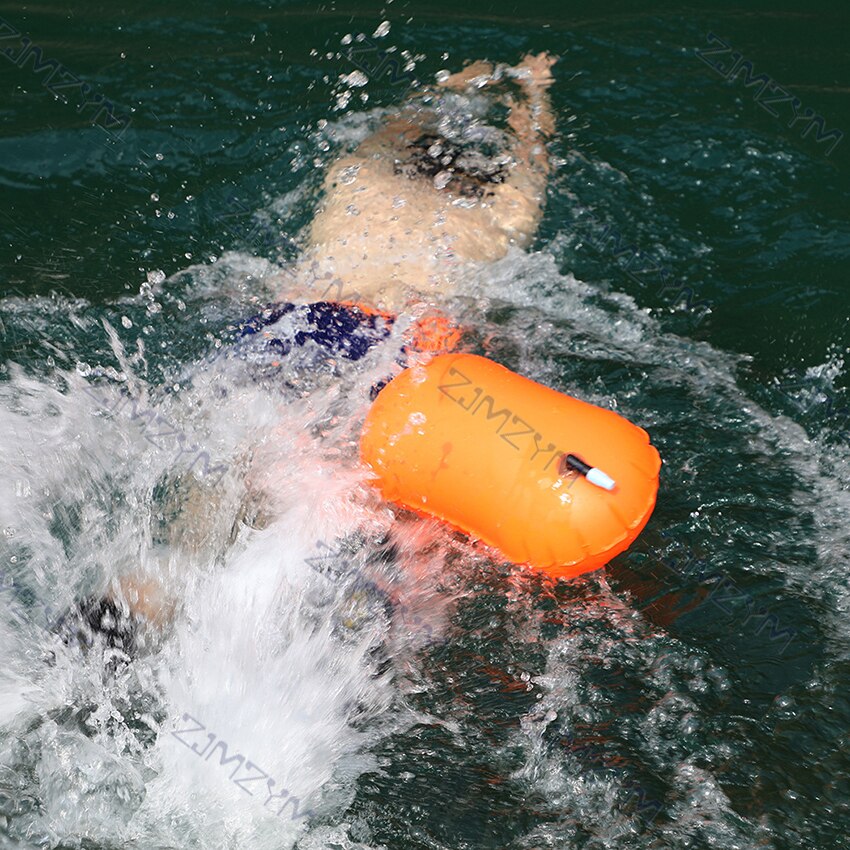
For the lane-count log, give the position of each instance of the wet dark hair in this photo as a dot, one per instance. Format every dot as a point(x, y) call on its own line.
point(470, 170)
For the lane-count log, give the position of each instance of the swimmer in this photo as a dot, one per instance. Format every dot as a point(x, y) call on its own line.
point(398, 218)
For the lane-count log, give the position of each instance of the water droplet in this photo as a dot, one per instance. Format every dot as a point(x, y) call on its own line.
point(349, 174)
point(356, 78)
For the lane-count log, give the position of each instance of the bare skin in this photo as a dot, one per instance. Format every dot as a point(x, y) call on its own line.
point(386, 237)
point(389, 240)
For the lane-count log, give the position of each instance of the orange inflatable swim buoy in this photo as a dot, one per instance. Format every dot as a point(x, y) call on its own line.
point(548, 480)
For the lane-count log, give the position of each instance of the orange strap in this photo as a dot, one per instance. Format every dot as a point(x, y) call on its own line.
point(434, 333)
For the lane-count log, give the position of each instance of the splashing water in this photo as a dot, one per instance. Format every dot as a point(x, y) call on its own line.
point(296, 695)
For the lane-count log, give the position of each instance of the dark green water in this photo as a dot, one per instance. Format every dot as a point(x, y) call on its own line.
point(695, 695)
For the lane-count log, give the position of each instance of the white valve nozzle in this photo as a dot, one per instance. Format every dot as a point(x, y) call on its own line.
point(600, 479)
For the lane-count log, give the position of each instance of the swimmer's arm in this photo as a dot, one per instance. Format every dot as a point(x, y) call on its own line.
point(518, 203)
point(478, 74)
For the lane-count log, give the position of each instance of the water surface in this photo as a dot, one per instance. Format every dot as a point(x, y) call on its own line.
point(690, 273)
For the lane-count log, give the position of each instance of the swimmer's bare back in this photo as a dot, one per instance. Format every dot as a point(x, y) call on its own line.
point(387, 227)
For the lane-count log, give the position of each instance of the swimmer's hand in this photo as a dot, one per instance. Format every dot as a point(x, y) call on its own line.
point(476, 75)
point(535, 72)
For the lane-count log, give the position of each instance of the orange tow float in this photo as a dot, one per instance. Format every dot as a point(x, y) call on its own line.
point(548, 480)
